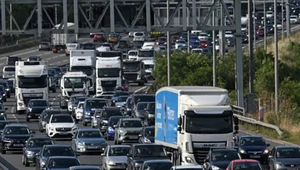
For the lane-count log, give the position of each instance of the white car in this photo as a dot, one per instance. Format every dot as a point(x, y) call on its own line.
point(269, 14)
point(133, 54)
point(61, 125)
point(180, 43)
point(79, 110)
point(294, 19)
point(229, 34)
point(203, 36)
point(115, 157)
point(138, 36)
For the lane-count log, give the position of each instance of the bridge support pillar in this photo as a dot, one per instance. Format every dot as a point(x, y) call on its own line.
point(112, 15)
point(3, 17)
point(184, 17)
point(65, 16)
point(148, 15)
point(39, 17)
point(194, 15)
point(76, 19)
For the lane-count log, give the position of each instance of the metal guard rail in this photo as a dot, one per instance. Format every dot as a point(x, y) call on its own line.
point(239, 112)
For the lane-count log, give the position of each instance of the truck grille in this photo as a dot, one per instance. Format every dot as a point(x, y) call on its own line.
point(108, 89)
point(63, 129)
point(130, 76)
point(106, 83)
point(200, 154)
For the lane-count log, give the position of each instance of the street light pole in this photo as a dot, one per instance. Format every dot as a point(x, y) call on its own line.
point(276, 59)
point(168, 45)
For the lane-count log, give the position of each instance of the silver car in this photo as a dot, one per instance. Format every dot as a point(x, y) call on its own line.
point(121, 101)
point(8, 72)
point(127, 130)
point(115, 157)
point(284, 158)
point(88, 141)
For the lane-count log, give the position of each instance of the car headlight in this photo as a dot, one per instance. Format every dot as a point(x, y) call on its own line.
point(214, 167)
point(74, 128)
point(29, 109)
point(88, 113)
point(110, 129)
point(4, 94)
point(29, 153)
point(51, 128)
point(6, 140)
point(189, 160)
point(137, 165)
point(43, 163)
point(122, 131)
point(242, 151)
point(80, 143)
point(266, 151)
point(278, 165)
point(146, 140)
point(111, 163)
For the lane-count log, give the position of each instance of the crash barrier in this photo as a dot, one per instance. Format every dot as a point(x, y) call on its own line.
point(21, 44)
point(239, 112)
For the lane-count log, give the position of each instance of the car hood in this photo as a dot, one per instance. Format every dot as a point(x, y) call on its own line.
point(25, 136)
point(253, 148)
point(65, 125)
point(92, 140)
point(221, 164)
point(142, 159)
point(135, 129)
point(117, 159)
point(289, 160)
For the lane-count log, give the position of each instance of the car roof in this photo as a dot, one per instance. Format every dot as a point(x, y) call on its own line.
point(88, 129)
point(84, 166)
point(158, 161)
point(146, 145)
point(244, 160)
point(40, 137)
point(119, 146)
point(16, 125)
point(38, 100)
point(62, 157)
point(111, 108)
point(187, 167)
point(286, 146)
point(131, 119)
point(75, 95)
point(63, 114)
point(62, 146)
point(100, 99)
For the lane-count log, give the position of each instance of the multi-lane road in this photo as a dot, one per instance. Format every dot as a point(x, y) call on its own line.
point(14, 160)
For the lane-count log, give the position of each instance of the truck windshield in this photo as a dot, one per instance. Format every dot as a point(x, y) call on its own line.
point(209, 124)
point(33, 82)
point(132, 66)
point(147, 53)
point(88, 70)
point(149, 67)
point(108, 72)
point(77, 82)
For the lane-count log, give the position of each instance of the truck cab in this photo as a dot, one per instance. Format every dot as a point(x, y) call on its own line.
point(134, 72)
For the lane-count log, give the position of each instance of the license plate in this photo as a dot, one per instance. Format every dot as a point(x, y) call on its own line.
point(18, 145)
point(133, 137)
point(254, 156)
point(92, 147)
point(64, 133)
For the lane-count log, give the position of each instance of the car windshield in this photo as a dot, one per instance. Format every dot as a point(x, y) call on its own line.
point(95, 104)
point(2, 125)
point(150, 151)
point(118, 151)
point(252, 141)
point(39, 103)
point(219, 156)
point(39, 142)
point(121, 94)
point(288, 153)
point(63, 163)
point(158, 165)
point(89, 134)
point(58, 151)
point(9, 69)
point(149, 132)
point(16, 131)
point(122, 98)
point(141, 106)
point(76, 82)
point(131, 123)
point(113, 112)
point(247, 166)
point(62, 119)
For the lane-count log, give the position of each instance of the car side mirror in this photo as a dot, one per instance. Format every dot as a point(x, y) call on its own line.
point(270, 157)
point(115, 126)
point(268, 145)
point(140, 135)
point(102, 154)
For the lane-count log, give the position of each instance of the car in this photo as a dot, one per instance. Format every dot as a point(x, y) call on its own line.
point(244, 164)
point(156, 164)
point(125, 85)
point(4, 83)
point(161, 41)
point(127, 130)
point(115, 156)
point(99, 37)
point(45, 117)
point(84, 167)
point(147, 135)
point(140, 110)
point(253, 147)
point(113, 38)
point(139, 36)
point(128, 106)
point(141, 98)
point(132, 54)
point(14, 137)
point(70, 47)
point(33, 146)
point(110, 130)
point(3, 92)
point(89, 107)
point(150, 114)
point(79, 111)
point(144, 152)
point(122, 44)
point(229, 34)
point(219, 158)
point(117, 94)
point(104, 115)
point(294, 19)
point(34, 58)
point(61, 125)
point(89, 140)
point(179, 43)
point(52, 150)
point(8, 72)
point(11, 60)
point(75, 103)
point(121, 101)
point(72, 103)
point(2, 111)
point(35, 107)
point(284, 157)
point(60, 163)
point(45, 46)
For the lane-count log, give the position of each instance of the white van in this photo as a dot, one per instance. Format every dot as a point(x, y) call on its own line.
point(138, 36)
point(8, 72)
point(71, 46)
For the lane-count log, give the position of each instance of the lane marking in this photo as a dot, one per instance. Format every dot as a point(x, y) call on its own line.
point(140, 89)
point(13, 114)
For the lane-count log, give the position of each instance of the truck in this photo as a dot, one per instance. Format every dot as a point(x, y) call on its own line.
point(189, 120)
point(85, 61)
point(31, 82)
point(59, 41)
point(108, 75)
point(146, 54)
point(134, 71)
point(73, 82)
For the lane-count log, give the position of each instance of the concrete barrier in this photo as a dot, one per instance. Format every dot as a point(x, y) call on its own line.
point(21, 44)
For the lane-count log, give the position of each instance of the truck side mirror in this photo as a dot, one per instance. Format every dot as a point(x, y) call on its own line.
point(236, 120)
point(179, 123)
point(179, 128)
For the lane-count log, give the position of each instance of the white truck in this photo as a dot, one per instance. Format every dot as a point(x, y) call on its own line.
point(191, 119)
point(108, 75)
point(60, 40)
point(74, 83)
point(85, 61)
point(134, 72)
point(31, 82)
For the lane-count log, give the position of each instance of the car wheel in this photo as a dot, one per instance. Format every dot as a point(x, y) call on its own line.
point(26, 163)
point(2, 150)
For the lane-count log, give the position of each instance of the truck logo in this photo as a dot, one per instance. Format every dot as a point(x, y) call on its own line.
point(32, 91)
point(208, 145)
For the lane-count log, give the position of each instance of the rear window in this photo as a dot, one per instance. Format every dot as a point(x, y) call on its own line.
point(9, 69)
point(139, 34)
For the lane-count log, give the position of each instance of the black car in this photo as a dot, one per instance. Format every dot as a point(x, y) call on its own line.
point(253, 147)
point(3, 92)
point(53, 150)
point(14, 137)
point(219, 158)
point(105, 114)
point(10, 83)
point(33, 146)
point(61, 162)
point(45, 117)
point(136, 98)
point(147, 135)
point(35, 108)
point(10, 61)
point(6, 87)
point(3, 123)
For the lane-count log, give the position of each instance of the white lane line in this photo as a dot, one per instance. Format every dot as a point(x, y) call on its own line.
point(13, 114)
point(140, 89)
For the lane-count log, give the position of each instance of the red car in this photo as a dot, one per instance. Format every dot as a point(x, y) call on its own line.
point(99, 37)
point(203, 44)
point(125, 85)
point(260, 32)
point(244, 164)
